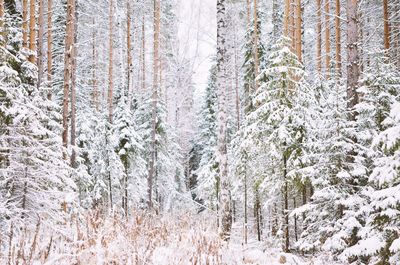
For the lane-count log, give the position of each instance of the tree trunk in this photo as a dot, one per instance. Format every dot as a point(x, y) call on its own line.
point(73, 86)
point(49, 46)
point(327, 38)
point(40, 52)
point(353, 59)
point(286, 18)
point(255, 48)
point(386, 27)
point(226, 213)
point(129, 52)
point(285, 208)
point(338, 41)
point(32, 30)
point(319, 36)
point(110, 64)
point(2, 29)
point(96, 93)
point(298, 29)
point(143, 55)
point(156, 43)
point(25, 23)
point(69, 36)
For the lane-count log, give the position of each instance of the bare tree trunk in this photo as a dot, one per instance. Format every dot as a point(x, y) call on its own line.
point(237, 96)
point(338, 41)
point(327, 38)
point(32, 30)
point(298, 30)
point(295, 219)
point(248, 10)
point(110, 64)
point(2, 30)
point(49, 46)
point(292, 22)
point(25, 23)
point(40, 52)
point(226, 213)
point(255, 48)
point(319, 36)
point(143, 55)
point(353, 58)
point(286, 18)
point(69, 36)
point(154, 101)
point(73, 86)
point(129, 48)
point(96, 93)
point(285, 209)
point(386, 25)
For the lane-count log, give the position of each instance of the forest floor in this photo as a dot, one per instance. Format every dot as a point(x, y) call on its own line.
point(179, 239)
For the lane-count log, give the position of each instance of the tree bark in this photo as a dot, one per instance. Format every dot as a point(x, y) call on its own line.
point(338, 41)
point(73, 86)
point(156, 44)
point(40, 52)
point(353, 59)
point(319, 36)
point(286, 18)
point(32, 30)
point(298, 29)
point(69, 36)
point(386, 25)
point(49, 46)
point(96, 92)
point(226, 214)
point(143, 54)
point(129, 48)
point(2, 30)
point(110, 64)
point(285, 209)
point(327, 38)
point(25, 23)
point(255, 48)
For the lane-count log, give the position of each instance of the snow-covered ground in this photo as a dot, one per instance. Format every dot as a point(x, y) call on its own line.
point(142, 239)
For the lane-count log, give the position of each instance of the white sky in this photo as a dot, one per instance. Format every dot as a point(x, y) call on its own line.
point(197, 34)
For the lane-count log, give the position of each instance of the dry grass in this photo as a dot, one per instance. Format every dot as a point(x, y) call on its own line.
point(93, 238)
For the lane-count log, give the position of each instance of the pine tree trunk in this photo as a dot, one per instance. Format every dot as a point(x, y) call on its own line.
point(327, 38)
point(25, 23)
point(338, 40)
point(32, 30)
point(319, 36)
point(154, 101)
point(110, 64)
point(129, 48)
point(73, 86)
point(40, 52)
point(49, 46)
point(255, 48)
point(226, 213)
point(292, 26)
point(69, 37)
point(2, 29)
point(299, 30)
point(285, 209)
point(386, 25)
point(286, 19)
point(96, 93)
point(143, 54)
point(353, 59)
